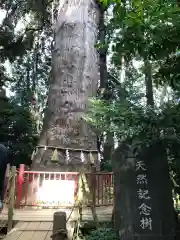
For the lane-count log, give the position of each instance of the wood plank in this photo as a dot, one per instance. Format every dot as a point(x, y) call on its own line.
point(21, 225)
point(27, 235)
point(29, 219)
point(39, 235)
point(13, 235)
point(51, 213)
point(48, 236)
point(45, 226)
point(100, 210)
point(33, 226)
point(51, 227)
point(40, 219)
point(103, 213)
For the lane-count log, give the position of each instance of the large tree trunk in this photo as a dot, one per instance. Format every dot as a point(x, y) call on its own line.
point(75, 80)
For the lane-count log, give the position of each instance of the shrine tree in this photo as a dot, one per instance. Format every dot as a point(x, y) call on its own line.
point(67, 142)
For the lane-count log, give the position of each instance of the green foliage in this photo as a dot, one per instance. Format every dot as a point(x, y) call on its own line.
point(29, 55)
point(102, 234)
point(11, 43)
point(145, 31)
point(31, 76)
point(17, 130)
point(15, 43)
point(169, 73)
point(145, 27)
point(23, 132)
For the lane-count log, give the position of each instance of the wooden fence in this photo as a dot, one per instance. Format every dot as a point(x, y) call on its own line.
point(30, 183)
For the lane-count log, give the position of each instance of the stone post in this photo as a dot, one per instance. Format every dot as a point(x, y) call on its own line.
point(59, 226)
point(143, 194)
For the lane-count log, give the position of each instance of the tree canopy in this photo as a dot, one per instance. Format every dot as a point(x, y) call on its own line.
point(142, 87)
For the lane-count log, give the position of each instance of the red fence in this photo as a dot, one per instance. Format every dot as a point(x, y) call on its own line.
point(30, 187)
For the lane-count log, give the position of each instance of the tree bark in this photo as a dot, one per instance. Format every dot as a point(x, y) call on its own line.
point(74, 81)
point(108, 141)
point(102, 52)
point(108, 148)
point(148, 82)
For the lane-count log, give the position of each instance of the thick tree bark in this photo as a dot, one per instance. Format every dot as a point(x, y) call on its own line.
point(75, 80)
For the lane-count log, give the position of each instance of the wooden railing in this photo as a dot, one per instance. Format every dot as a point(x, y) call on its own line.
point(29, 183)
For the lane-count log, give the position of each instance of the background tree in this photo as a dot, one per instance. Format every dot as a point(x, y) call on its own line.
point(18, 128)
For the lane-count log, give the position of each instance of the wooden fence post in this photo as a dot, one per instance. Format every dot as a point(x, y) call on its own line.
point(59, 226)
point(12, 180)
point(93, 186)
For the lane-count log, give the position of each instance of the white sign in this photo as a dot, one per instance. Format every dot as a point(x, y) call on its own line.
point(56, 191)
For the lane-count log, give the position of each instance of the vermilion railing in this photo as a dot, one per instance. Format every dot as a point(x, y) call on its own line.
point(30, 183)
